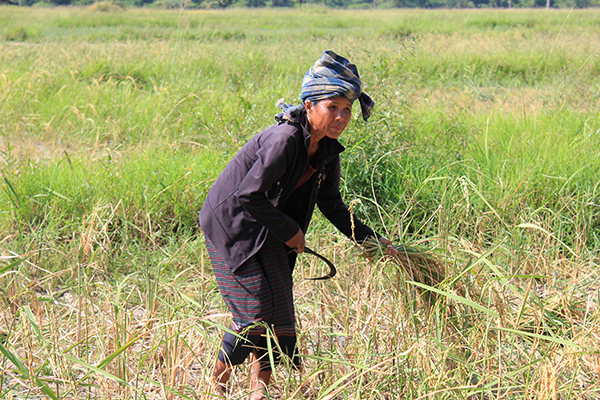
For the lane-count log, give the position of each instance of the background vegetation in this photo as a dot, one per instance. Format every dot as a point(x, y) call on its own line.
point(347, 4)
point(484, 145)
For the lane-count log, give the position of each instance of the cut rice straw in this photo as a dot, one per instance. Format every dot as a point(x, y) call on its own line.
point(416, 264)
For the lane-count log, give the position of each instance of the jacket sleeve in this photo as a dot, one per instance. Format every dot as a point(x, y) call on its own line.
point(261, 187)
point(332, 206)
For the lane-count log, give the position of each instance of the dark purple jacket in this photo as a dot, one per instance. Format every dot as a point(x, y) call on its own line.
point(255, 193)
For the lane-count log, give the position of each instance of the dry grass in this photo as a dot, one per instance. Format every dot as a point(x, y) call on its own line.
point(364, 333)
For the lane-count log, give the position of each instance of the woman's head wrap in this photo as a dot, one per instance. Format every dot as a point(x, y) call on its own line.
point(331, 76)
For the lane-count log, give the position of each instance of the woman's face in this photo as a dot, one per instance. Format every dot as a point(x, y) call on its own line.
point(328, 117)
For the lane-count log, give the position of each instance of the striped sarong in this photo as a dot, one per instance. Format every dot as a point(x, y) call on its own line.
point(259, 296)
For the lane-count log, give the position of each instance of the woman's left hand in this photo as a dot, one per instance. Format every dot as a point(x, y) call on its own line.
point(391, 249)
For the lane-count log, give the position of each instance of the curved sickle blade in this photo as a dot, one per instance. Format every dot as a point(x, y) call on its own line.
point(332, 270)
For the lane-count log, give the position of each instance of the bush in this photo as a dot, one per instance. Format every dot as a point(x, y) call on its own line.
point(105, 6)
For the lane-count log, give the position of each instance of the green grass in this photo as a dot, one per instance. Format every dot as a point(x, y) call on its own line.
point(483, 146)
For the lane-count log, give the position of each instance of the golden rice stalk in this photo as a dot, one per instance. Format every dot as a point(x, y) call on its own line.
point(417, 265)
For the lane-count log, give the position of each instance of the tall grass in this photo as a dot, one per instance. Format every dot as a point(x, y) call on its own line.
point(483, 148)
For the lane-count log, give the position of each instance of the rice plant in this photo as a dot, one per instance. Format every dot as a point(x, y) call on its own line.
point(480, 159)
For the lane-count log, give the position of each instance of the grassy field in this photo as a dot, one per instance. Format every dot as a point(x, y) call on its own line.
point(484, 147)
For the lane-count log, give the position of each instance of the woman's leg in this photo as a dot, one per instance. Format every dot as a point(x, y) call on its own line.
point(248, 297)
point(259, 296)
point(221, 375)
point(259, 379)
point(275, 261)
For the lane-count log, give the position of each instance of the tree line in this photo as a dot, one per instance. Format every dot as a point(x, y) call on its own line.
point(364, 4)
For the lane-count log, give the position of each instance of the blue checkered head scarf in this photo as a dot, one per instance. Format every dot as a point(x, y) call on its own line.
point(331, 76)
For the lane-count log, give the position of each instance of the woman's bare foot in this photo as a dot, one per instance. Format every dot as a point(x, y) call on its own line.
point(221, 375)
point(259, 380)
point(258, 395)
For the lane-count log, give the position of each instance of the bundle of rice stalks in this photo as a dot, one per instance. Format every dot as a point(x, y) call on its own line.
point(415, 264)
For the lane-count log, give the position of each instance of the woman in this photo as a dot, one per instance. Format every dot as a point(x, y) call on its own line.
point(257, 212)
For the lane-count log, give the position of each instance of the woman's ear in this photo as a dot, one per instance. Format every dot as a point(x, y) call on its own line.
point(308, 105)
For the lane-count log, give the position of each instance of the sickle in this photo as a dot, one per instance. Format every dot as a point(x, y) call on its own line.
point(332, 270)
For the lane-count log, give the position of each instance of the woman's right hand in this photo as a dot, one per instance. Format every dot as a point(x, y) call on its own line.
point(297, 242)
